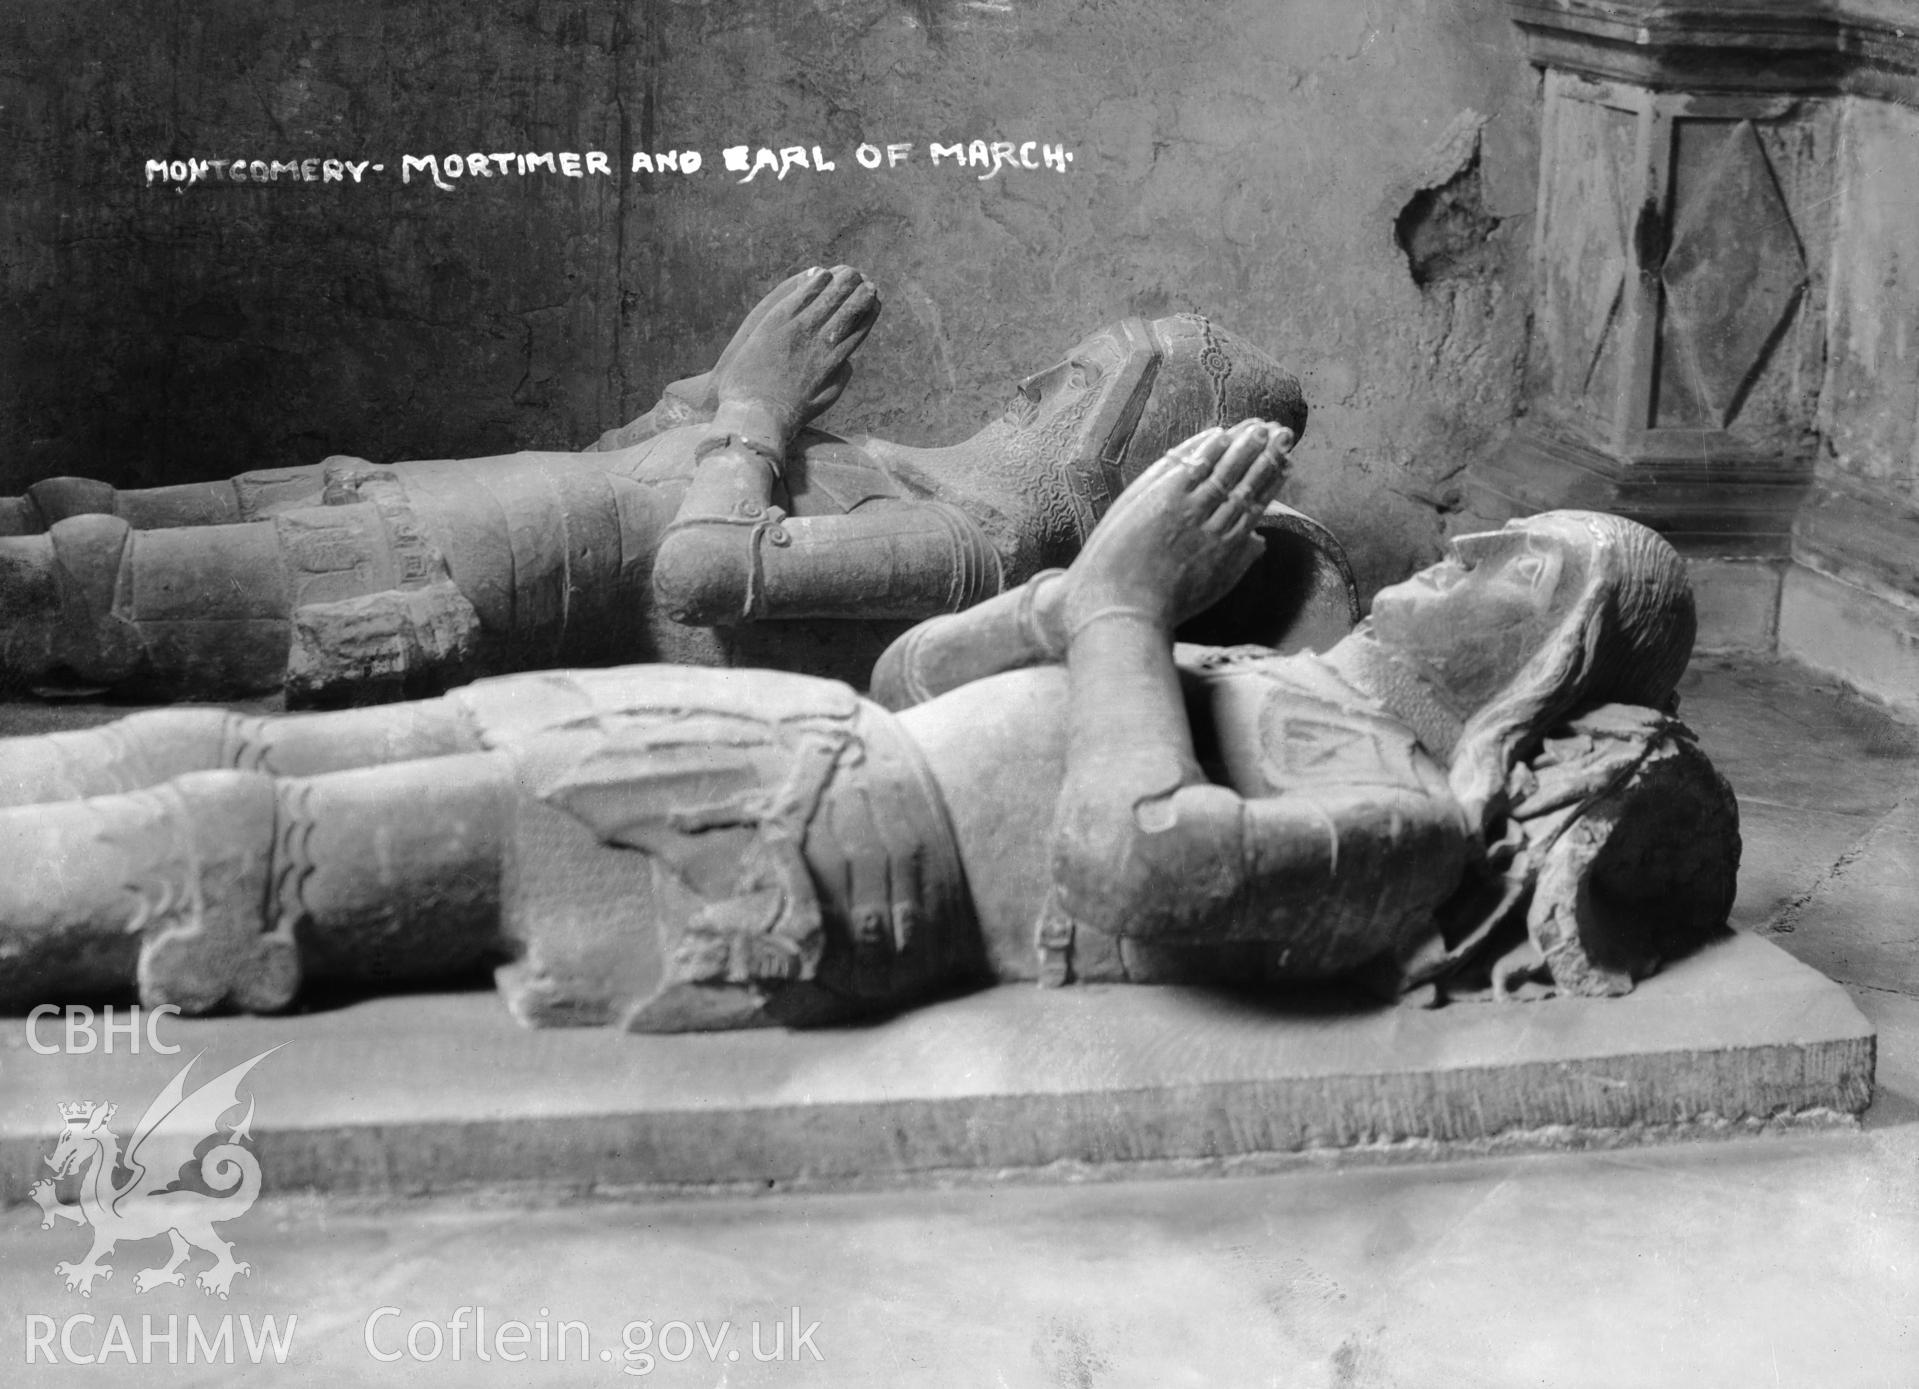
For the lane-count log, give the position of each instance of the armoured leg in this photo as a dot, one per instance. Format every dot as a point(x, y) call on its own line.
point(228, 888)
point(95, 603)
point(346, 598)
point(165, 887)
point(227, 502)
point(154, 746)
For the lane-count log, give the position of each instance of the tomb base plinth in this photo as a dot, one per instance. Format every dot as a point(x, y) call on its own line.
point(445, 1091)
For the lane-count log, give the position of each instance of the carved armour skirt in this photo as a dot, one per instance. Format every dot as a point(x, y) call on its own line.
point(778, 838)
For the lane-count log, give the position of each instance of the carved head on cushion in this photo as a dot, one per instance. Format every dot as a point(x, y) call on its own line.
point(1525, 626)
point(1124, 395)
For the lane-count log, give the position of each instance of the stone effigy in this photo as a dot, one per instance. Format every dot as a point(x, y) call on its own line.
point(717, 529)
point(1480, 789)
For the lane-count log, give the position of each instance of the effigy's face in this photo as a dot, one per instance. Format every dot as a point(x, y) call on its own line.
point(1082, 411)
point(1476, 617)
point(1066, 389)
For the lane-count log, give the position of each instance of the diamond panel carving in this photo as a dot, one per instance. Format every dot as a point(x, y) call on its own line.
point(1733, 274)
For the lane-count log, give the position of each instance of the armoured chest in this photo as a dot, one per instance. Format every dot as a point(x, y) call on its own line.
point(1271, 736)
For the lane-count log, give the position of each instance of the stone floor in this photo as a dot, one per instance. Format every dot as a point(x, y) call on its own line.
point(1779, 1260)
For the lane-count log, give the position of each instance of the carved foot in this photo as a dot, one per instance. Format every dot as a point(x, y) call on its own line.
point(1182, 535)
point(80, 1276)
point(218, 1279)
point(796, 360)
point(147, 1279)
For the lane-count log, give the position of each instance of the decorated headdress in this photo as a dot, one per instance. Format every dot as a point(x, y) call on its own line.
point(1205, 376)
point(1625, 639)
point(1609, 832)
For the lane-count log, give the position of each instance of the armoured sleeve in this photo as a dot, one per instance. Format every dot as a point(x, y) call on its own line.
point(733, 555)
point(884, 560)
point(1008, 632)
point(1333, 877)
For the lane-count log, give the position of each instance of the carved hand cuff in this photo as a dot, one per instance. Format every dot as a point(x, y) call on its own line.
point(773, 457)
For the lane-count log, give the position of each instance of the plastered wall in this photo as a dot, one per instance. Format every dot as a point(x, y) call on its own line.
point(1350, 186)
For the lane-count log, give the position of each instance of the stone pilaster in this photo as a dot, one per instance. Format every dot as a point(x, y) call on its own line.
point(1686, 237)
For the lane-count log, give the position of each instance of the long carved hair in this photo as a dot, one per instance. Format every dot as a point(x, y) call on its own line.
point(1626, 639)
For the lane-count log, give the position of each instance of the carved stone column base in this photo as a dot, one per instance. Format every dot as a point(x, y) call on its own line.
point(1683, 250)
point(1866, 535)
point(1704, 506)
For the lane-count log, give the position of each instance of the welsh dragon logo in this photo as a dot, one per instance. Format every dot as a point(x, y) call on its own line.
point(183, 1176)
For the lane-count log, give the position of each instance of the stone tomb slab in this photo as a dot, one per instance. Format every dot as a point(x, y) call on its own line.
point(416, 1093)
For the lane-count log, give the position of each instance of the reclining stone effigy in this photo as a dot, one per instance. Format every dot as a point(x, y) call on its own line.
point(1480, 788)
point(717, 529)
